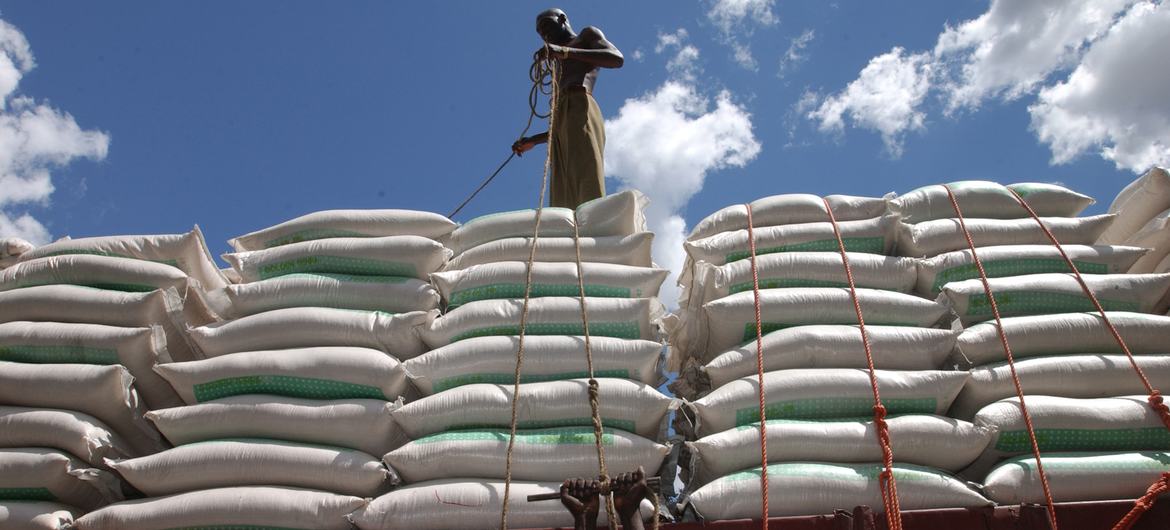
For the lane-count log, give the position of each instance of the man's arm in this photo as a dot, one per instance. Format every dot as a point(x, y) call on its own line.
point(600, 52)
point(629, 490)
point(523, 145)
point(583, 499)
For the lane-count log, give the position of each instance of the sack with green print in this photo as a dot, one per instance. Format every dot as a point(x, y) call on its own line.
point(1063, 334)
point(493, 281)
point(35, 515)
point(391, 294)
point(1020, 260)
point(627, 405)
point(631, 250)
point(245, 507)
point(538, 454)
point(362, 424)
point(1139, 202)
point(623, 318)
point(256, 462)
point(409, 256)
point(10, 250)
point(337, 372)
point(103, 272)
point(1069, 424)
point(824, 393)
point(787, 209)
point(397, 334)
point(1074, 376)
point(820, 488)
point(187, 252)
point(546, 358)
point(990, 200)
point(1154, 235)
point(104, 392)
point(55, 343)
point(76, 433)
point(346, 223)
point(619, 214)
point(39, 474)
point(1054, 293)
point(931, 238)
point(1075, 477)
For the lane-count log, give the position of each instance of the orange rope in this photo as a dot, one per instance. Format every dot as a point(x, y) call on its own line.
point(1162, 485)
point(760, 371)
point(886, 482)
point(1010, 359)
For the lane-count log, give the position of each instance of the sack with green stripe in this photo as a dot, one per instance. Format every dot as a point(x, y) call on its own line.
point(1141, 200)
point(1154, 235)
point(346, 223)
point(409, 256)
point(259, 462)
point(35, 515)
point(931, 238)
point(103, 392)
point(631, 250)
point(538, 454)
point(76, 433)
point(187, 252)
point(990, 200)
point(397, 334)
point(730, 322)
point(546, 358)
point(820, 488)
point(362, 424)
point(627, 405)
point(55, 343)
point(1053, 293)
point(787, 209)
point(10, 250)
point(1069, 424)
point(39, 474)
point(252, 507)
point(623, 318)
point(1074, 376)
point(102, 272)
point(390, 294)
point(1075, 477)
point(494, 281)
point(1019, 260)
point(824, 393)
point(1063, 334)
point(921, 439)
point(332, 372)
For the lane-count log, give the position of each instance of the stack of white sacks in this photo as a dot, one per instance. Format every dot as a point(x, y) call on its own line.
point(453, 469)
point(83, 324)
point(1143, 220)
point(822, 448)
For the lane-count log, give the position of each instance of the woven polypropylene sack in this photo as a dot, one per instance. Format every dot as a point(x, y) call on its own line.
point(247, 507)
point(334, 372)
point(76, 433)
point(794, 208)
point(11, 248)
point(1047, 294)
point(391, 294)
point(35, 515)
point(362, 424)
point(248, 461)
point(346, 223)
point(836, 346)
point(817, 488)
point(188, 252)
point(468, 505)
point(508, 279)
point(1139, 202)
point(1076, 477)
point(546, 358)
point(1063, 334)
point(990, 200)
point(103, 392)
point(298, 327)
point(624, 404)
point(825, 393)
point(631, 250)
point(105, 272)
point(409, 256)
point(1154, 235)
point(34, 473)
point(871, 236)
point(1019, 260)
point(931, 238)
point(1074, 376)
point(623, 318)
point(538, 454)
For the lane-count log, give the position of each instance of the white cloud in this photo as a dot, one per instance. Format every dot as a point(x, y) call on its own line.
point(668, 41)
point(685, 63)
point(664, 143)
point(737, 19)
point(795, 54)
point(34, 139)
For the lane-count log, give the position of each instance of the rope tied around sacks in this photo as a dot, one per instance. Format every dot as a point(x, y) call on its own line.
point(1140, 506)
point(759, 370)
point(887, 484)
point(1008, 353)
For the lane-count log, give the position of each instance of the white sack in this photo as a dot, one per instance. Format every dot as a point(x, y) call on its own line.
point(1020, 260)
point(76, 433)
point(1076, 477)
point(34, 473)
point(931, 238)
point(1139, 202)
point(623, 318)
point(631, 250)
point(35, 515)
point(391, 294)
point(346, 223)
point(787, 209)
point(11, 248)
point(507, 280)
point(1054, 293)
point(336, 372)
point(409, 256)
point(1154, 235)
point(546, 358)
point(870, 236)
point(1063, 334)
point(103, 272)
point(991, 200)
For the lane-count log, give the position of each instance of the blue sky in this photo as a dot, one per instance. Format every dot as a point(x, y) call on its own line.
point(149, 117)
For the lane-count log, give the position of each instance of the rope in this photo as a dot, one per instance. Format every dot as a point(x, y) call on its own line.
point(886, 481)
point(1011, 360)
point(1143, 504)
point(484, 184)
point(759, 373)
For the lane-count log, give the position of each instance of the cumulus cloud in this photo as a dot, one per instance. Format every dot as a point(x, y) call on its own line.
point(35, 138)
point(685, 62)
point(795, 54)
point(736, 19)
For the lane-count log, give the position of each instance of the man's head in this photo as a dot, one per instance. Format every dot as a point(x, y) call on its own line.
point(553, 26)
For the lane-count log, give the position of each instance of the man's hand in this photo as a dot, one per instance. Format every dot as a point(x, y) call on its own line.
point(582, 498)
point(523, 145)
point(557, 51)
point(629, 489)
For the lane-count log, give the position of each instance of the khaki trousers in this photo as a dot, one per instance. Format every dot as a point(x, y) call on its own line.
point(577, 144)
